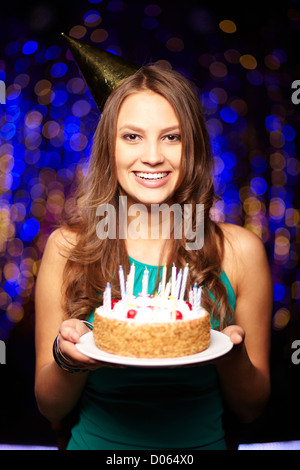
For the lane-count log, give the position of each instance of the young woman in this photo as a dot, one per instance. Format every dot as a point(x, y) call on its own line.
point(152, 147)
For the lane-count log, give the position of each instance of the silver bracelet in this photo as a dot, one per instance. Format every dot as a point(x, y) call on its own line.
point(88, 324)
point(62, 361)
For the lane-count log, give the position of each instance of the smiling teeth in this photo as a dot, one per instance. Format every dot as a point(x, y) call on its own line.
point(151, 176)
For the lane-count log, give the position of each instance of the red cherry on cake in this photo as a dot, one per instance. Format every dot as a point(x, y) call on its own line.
point(178, 315)
point(131, 313)
point(190, 305)
point(114, 302)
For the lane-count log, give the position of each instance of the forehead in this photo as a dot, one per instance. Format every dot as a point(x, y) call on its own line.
point(144, 106)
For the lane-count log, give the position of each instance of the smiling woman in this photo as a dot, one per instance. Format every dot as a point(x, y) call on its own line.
point(151, 147)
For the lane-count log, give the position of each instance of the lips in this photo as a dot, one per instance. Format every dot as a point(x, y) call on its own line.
point(152, 179)
point(151, 176)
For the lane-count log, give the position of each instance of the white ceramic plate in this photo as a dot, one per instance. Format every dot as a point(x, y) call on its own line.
point(220, 344)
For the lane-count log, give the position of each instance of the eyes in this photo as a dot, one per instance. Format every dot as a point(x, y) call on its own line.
point(167, 138)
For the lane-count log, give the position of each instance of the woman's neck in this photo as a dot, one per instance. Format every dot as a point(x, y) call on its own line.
point(152, 252)
point(147, 230)
point(151, 222)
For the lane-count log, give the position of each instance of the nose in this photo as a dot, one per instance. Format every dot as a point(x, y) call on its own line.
point(152, 154)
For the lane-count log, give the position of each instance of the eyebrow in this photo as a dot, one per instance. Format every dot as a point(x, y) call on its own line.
point(139, 129)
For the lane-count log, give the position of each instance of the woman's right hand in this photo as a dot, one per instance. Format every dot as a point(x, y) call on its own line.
point(69, 334)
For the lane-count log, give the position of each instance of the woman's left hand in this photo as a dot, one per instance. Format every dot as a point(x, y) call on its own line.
point(235, 333)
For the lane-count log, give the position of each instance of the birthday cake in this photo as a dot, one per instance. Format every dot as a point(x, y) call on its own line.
point(152, 326)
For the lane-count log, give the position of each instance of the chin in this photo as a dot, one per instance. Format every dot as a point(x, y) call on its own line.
point(148, 202)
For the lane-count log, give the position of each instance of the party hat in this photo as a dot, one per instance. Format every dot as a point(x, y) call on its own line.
point(102, 70)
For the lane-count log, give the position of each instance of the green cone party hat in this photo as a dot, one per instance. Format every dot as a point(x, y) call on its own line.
point(102, 70)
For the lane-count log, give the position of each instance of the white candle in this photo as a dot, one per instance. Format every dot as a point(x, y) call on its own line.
point(122, 282)
point(163, 281)
point(178, 283)
point(131, 281)
point(159, 289)
point(194, 296)
point(173, 281)
point(127, 284)
point(199, 295)
point(198, 299)
point(107, 298)
point(191, 297)
point(183, 286)
point(145, 282)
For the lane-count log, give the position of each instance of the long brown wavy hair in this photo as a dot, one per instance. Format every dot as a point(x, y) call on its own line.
point(92, 262)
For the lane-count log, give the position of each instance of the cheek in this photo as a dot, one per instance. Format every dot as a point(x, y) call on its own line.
point(178, 161)
point(118, 154)
point(124, 155)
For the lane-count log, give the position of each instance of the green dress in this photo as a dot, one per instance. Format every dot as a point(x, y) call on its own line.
point(147, 408)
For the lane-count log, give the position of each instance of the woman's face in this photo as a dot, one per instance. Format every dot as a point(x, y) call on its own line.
point(148, 148)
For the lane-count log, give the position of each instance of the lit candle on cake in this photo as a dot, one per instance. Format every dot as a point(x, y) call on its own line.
point(184, 280)
point(122, 282)
point(163, 281)
point(145, 283)
point(173, 281)
point(199, 295)
point(194, 296)
point(130, 286)
point(159, 289)
point(107, 298)
point(191, 297)
point(198, 299)
point(178, 283)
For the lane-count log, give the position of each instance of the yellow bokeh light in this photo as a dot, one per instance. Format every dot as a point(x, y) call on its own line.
point(272, 62)
point(252, 205)
point(232, 56)
point(78, 31)
point(99, 35)
point(292, 217)
point(16, 312)
point(277, 161)
point(175, 44)
point(282, 247)
point(218, 69)
point(11, 271)
point(281, 319)
point(228, 26)
point(276, 208)
point(248, 61)
point(42, 87)
point(33, 119)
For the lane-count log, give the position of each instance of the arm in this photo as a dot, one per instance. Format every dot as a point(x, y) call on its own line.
point(57, 391)
point(244, 372)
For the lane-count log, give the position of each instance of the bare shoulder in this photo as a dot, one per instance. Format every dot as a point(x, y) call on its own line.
point(55, 255)
point(63, 237)
point(60, 242)
point(246, 261)
point(241, 239)
point(245, 256)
